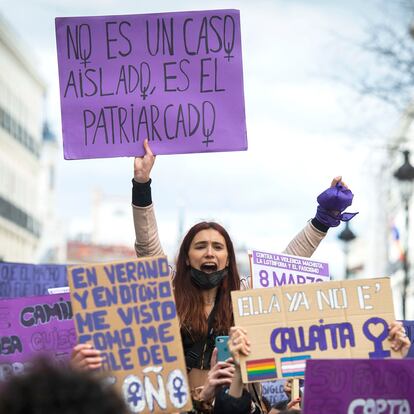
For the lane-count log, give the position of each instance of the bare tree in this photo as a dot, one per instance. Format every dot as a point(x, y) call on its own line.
point(391, 44)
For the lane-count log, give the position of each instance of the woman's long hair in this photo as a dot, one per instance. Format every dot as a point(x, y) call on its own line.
point(188, 298)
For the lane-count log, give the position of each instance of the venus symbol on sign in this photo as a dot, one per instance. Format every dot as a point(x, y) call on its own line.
point(133, 390)
point(177, 387)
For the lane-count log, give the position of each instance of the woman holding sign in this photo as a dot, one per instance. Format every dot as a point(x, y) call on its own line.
point(206, 273)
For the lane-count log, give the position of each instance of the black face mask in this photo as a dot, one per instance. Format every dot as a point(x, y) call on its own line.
point(205, 281)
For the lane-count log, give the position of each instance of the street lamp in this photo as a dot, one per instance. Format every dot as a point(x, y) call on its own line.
point(405, 176)
point(346, 236)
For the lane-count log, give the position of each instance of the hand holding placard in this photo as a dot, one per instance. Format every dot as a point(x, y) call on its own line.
point(143, 165)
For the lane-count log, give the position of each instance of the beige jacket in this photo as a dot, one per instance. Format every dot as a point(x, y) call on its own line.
point(147, 242)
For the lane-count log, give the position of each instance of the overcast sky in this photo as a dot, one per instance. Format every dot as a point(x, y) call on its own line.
point(304, 123)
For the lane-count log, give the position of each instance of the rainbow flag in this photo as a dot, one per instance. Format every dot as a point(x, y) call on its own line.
point(261, 369)
point(293, 366)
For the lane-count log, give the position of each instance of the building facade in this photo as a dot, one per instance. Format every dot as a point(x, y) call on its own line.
point(22, 95)
point(389, 238)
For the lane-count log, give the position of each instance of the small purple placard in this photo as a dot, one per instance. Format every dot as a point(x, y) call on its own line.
point(174, 78)
point(34, 326)
point(359, 386)
point(22, 279)
point(271, 270)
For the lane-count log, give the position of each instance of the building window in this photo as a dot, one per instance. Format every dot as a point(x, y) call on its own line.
point(14, 214)
point(18, 132)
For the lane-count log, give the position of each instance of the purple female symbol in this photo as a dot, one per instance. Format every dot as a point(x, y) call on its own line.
point(379, 351)
point(228, 40)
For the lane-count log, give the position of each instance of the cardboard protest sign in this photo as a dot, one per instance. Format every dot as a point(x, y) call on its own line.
point(22, 279)
point(359, 386)
point(34, 326)
point(270, 269)
point(174, 78)
point(291, 324)
point(273, 269)
point(127, 311)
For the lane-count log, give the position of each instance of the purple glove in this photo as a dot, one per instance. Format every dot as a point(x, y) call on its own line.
point(332, 202)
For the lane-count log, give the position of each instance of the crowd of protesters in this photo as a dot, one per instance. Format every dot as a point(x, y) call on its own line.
point(204, 275)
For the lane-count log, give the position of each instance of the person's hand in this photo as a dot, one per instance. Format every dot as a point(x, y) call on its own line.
point(287, 387)
point(220, 374)
point(332, 202)
point(338, 180)
point(143, 165)
point(294, 404)
point(398, 337)
point(85, 357)
point(238, 343)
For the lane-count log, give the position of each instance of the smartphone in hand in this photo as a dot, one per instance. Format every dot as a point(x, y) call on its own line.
point(223, 352)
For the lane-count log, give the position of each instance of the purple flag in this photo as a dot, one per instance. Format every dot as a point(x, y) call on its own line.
point(174, 78)
point(359, 386)
point(34, 326)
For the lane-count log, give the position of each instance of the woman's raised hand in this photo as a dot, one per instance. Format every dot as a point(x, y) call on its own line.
point(332, 203)
point(143, 165)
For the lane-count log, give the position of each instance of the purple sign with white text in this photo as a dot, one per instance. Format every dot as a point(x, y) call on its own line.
point(273, 269)
point(34, 326)
point(359, 386)
point(174, 78)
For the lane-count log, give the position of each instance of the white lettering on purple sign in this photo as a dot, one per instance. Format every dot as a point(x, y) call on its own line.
point(379, 406)
point(270, 269)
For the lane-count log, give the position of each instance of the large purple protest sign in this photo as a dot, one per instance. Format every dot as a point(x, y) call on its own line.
point(359, 386)
point(22, 279)
point(34, 326)
point(174, 78)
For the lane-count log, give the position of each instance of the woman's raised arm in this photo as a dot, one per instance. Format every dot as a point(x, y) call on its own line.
point(147, 242)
